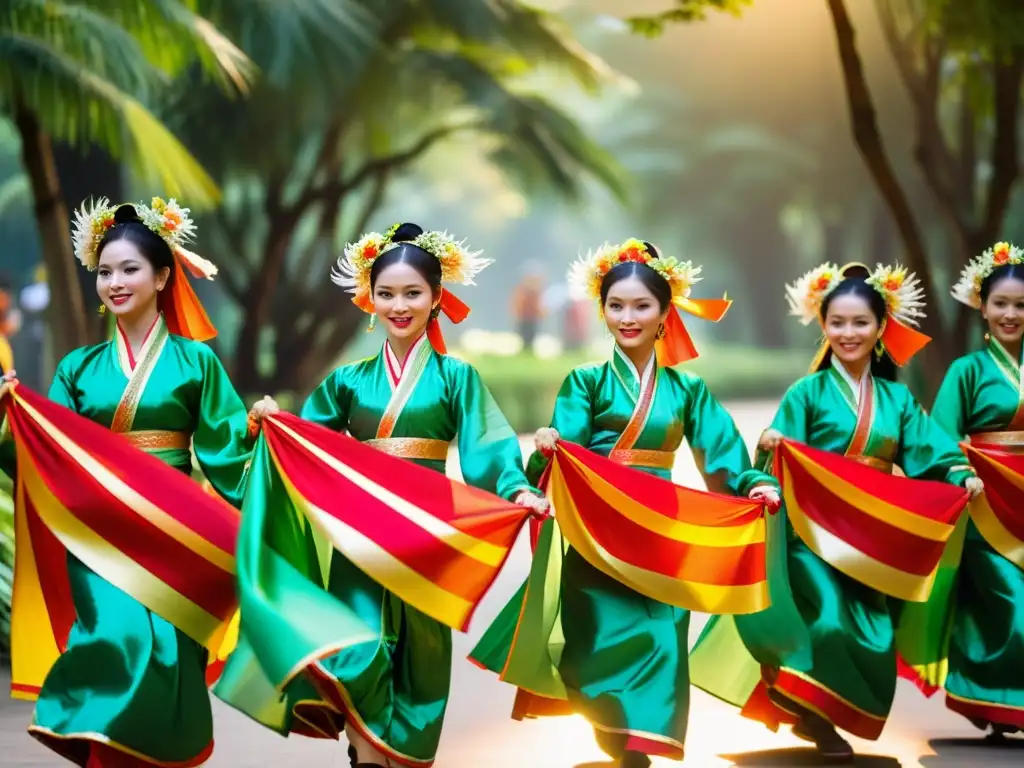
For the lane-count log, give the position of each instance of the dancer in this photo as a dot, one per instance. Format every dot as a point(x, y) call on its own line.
point(411, 400)
point(624, 662)
point(981, 397)
point(130, 688)
point(826, 644)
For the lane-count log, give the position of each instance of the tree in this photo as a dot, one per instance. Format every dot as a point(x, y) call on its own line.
point(963, 69)
point(309, 163)
point(88, 74)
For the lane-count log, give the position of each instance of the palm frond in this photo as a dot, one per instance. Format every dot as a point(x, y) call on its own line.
point(76, 105)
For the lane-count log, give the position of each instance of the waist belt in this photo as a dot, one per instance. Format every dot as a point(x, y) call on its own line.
point(411, 447)
point(1011, 442)
point(159, 440)
point(638, 458)
point(875, 463)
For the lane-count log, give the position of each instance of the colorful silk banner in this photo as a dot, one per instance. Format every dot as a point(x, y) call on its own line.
point(143, 526)
point(436, 543)
point(692, 549)
point(999, 511)
point(887, 532)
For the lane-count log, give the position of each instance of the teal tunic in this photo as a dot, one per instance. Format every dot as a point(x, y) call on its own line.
point(394, 689)
point(624, 659)
point(128, 678)
point(985, 679)
point(827, 641)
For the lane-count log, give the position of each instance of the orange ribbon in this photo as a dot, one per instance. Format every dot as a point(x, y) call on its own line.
point(902, 342)
point(182, 309)
point(676, 346)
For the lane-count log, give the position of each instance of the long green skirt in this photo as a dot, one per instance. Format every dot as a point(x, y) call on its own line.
point(620, 658)
point(393, 692)
point(128, 680)
point(986, 651)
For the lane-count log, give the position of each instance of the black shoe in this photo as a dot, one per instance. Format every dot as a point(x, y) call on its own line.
point(831, 746)
point(632, 759)
point(353, 759)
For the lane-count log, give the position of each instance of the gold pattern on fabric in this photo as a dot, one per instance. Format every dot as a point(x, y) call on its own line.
point(411, 447)
point(159, 440)
point(1009, 441)
point(643, 458)
point(138, 378)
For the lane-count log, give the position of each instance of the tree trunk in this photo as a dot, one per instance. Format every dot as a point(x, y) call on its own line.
point(938, 355)
point(66, 314)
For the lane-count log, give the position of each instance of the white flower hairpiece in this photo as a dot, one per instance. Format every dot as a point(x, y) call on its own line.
point(968, 288)
point(902, 291)
point(587, 273)
point(459, 265)
point(165, 218)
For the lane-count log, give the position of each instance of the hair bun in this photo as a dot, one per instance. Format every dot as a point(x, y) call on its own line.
point(126, 213)
point(650, 249)
point(406, 233)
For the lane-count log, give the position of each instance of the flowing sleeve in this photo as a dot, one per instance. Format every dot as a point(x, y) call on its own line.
point(790, 420)
point(950, 410)
point(221, 439)
point(717, 445)
point(572, 419)
point(489, 452)
point(926, 449)
point(329, 403)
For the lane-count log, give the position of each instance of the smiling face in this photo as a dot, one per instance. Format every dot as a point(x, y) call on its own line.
point(633, 314)
point(126, 282)
point(1004, 311)
point(402, 301)
point(851, 328)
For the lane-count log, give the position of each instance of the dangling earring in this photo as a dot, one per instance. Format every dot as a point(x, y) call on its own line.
point(661, 332)
point(103, 309)
point(879, 349)
point(435, 311)
point(373, 323)
point(988, 338)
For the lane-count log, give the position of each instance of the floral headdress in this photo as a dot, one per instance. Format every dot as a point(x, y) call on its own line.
point(459, 265)
point(184, 314)
point(675, 345)
point(968, 287)
point(901, 290)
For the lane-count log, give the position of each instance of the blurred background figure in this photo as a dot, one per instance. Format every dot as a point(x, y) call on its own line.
point(31, 345)
point(10, 322)
point(528, 309)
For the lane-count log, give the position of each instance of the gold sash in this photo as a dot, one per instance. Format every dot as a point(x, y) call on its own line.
point(872, 461)
point(411, 447)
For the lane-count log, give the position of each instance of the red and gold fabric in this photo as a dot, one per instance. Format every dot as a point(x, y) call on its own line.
point(884, 531)
point(136, 522)
point(998, 513)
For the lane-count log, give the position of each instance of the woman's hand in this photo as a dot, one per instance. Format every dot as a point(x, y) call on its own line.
point(767, 495)
point(974, 486)
point(538, 505)
point(9, 379)
point(770, 440)
point(545, 440)
point(259, 411)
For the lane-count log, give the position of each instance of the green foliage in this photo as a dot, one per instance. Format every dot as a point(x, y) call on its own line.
point(684, 11)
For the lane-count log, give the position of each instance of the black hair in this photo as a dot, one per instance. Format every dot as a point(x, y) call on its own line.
point(1005, 272)
point(855, 285)
point(419, 259)
point(654, 282)
point(128, 226)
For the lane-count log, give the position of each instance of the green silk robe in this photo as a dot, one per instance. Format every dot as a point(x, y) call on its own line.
point(985, 678)
point(394, 690)
point(128, 678)
point(621, 656)
point(827, 641)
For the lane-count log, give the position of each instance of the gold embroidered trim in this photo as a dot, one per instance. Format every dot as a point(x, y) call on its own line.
point(159, 440)
point(875, 463)
point(411, 447)
point(1009, 441)
point(643, 458)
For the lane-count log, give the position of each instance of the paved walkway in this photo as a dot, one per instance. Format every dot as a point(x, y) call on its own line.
point(479, 733)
